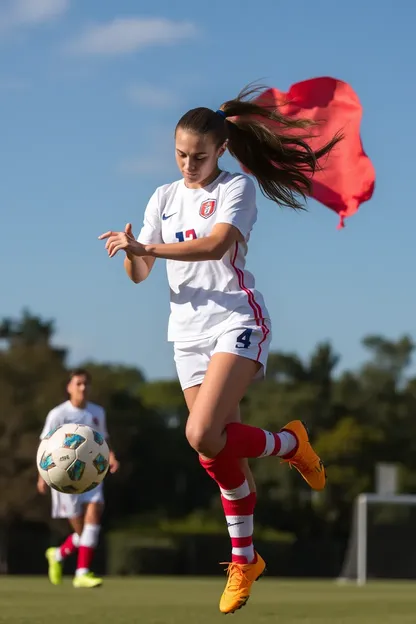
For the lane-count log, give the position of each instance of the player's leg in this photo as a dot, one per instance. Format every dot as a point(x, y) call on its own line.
point(190, 395)
point(237, 501)
point(71, 544)
point(227, 379)
point(233, 477)
point(236, 417)
point(93, 509)
point(221, 446)
point(230, 371)
point(240, 527)
point(77, 522)
point(64, 506)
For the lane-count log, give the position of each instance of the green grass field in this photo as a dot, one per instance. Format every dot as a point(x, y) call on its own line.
point(195, 601)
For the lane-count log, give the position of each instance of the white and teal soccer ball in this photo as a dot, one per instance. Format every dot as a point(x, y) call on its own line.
point(73, 458)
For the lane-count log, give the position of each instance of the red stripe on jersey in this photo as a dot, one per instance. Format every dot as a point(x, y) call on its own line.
point(266, 332)
point(252, 302)
point(258, 312)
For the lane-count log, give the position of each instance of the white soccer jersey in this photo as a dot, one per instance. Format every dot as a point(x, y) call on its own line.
point(92, 415)
point(206, 296)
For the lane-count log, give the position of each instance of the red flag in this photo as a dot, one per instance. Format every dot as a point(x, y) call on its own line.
point(348, 177)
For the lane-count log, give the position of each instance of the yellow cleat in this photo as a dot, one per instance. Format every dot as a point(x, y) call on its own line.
point(87, 581)
point(240, 579)
point(305, 460)
point(54, 567)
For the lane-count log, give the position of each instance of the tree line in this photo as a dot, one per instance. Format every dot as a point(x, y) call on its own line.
point(357, 418)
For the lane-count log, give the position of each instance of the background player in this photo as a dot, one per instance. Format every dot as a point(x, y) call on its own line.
point(83, 511)
point(219, 323)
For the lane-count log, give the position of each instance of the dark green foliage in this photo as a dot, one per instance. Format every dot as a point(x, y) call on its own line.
point(357, 418)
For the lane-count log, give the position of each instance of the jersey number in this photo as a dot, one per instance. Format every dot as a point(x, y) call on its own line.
point(243, 340)
point(188, 235)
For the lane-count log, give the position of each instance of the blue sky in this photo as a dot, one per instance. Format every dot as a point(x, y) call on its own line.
point(90, 92)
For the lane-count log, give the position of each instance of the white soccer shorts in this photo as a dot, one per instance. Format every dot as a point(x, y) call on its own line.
point(71, 505)
point(248, 340)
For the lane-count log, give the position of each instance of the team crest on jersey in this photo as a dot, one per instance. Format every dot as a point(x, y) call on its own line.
point(207, 208)
point(96, 421)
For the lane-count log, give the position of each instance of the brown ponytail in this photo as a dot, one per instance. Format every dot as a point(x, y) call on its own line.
point(281, 160)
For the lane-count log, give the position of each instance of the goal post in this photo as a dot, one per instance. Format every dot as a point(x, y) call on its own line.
point(356, 562)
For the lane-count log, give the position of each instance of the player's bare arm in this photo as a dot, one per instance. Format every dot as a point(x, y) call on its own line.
point(136, 265)
point(212, 247)
point(42, 486)
point(112, 459)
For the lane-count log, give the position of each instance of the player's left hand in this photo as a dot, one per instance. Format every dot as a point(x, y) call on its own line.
point(42, 486)
point(117, 241)
point(114, 463)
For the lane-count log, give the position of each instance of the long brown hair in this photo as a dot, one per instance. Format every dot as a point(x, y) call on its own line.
point(280, 159)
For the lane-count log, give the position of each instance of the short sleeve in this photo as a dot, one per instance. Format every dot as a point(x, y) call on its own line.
point(104, 430)
point(151, 232)
point(238, 207)
point(52, 421)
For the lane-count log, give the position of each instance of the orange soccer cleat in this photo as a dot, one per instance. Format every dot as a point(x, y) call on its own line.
point(305, 460)
point(240, 579)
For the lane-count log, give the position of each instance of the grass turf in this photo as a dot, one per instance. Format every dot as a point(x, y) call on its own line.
point(195, 601)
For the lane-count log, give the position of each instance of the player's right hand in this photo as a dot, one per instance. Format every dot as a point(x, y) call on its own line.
point(117, 241)
point(42, 486)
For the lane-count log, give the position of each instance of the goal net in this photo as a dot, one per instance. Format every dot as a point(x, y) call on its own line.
point(382, 542)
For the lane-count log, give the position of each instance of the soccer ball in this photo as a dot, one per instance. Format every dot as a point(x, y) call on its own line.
point(73, 458)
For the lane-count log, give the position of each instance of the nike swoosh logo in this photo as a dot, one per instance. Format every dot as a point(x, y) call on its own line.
point(164, 217)
point(234, 523)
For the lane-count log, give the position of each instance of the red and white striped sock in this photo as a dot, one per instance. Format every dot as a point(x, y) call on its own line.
point(238, 504)
point(245, 441)
point(69, 546)
point(87, 545)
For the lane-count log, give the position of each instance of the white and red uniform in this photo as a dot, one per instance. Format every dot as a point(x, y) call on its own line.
point(214, 304)
point(71, 505)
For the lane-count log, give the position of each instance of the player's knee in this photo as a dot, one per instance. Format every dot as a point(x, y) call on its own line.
point(203, 440)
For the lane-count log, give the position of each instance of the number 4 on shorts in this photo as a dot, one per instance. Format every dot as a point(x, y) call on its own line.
point(243, 340)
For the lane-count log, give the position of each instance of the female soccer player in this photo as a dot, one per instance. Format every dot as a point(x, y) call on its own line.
point(219, 323)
